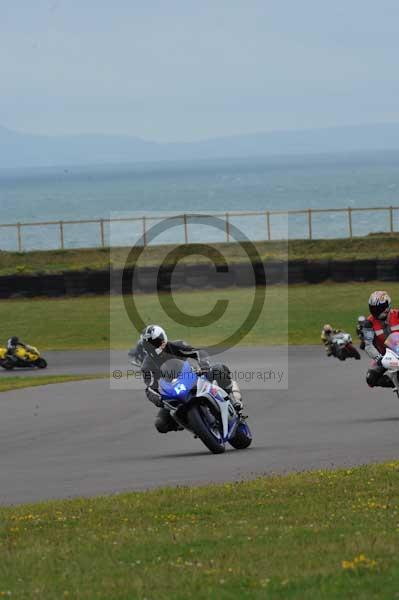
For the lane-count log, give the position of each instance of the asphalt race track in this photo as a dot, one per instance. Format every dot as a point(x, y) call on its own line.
point(87, 438)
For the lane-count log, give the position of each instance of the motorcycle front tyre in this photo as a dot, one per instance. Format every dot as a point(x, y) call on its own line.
point(197, 422)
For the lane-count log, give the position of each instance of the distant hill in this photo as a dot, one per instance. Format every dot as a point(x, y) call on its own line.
point(28, 150)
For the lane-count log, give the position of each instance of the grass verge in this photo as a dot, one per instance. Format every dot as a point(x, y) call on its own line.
point(84, 323)
point(21, 381)
point(329, 535)
point(53, 261)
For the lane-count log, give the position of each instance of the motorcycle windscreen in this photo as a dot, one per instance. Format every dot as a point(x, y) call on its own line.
point(182, 384)
point(392, 342)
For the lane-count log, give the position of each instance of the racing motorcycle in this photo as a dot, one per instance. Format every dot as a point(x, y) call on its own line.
point(22, 358)
point(202, 407)
point(342, 346)
point(390, 360)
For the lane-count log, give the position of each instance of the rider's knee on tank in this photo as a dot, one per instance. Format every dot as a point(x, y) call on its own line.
point(222, 375)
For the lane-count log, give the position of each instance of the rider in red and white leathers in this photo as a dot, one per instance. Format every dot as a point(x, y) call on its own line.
point(382, 321)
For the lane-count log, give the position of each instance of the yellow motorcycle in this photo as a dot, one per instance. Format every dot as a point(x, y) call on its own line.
point(22, 358)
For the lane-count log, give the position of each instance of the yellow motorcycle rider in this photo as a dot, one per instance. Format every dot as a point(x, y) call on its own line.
point(327, 334)
point(18, 354)
point(13, 344)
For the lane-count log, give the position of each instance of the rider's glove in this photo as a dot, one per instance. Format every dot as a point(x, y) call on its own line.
point(154, 397)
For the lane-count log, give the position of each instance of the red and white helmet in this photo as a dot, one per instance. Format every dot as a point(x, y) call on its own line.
point(380, 304)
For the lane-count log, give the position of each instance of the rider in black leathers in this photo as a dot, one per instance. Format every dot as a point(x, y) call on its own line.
point(158, 351)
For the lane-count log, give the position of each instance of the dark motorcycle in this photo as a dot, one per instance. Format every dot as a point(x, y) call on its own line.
point(137, 354)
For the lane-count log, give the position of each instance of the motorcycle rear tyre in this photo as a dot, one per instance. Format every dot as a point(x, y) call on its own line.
point(353, 352)
point(8, 365)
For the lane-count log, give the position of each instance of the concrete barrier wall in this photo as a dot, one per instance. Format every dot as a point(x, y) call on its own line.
point(149, 279)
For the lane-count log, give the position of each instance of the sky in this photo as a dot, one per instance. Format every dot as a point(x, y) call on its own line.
point(185, 70)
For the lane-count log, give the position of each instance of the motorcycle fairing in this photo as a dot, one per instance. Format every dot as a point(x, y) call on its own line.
point(342, 339)
point(390, 360)
point(392, 342)
point(179, 388)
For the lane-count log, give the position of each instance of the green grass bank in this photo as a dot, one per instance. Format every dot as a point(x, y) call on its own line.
point(54, 261)
point(329, 535)
point(295, 312)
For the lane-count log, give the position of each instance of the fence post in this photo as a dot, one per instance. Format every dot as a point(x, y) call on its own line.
point(102, 233)
point(310, 223)
point(391, 219)
point(185, 229)
point(144, 232)
point(227, 227)
point(61, 235)
point(269, 234)
point(19, 236)
point(350, 222)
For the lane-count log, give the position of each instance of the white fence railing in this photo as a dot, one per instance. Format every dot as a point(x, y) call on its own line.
point(53, 234)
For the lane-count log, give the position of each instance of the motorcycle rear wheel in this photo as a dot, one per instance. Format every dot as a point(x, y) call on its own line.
point(353, 352)
point(197, 422)
point(8, 365)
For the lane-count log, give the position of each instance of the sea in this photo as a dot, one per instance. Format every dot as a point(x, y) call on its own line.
point(65, 193)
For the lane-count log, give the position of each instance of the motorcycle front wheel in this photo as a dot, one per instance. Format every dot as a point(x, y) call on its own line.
point(242, 437)
point(199, 422)
point(41, 363)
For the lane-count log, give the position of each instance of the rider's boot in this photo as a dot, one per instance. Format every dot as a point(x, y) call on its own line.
point(385, 382)
point(164, 422)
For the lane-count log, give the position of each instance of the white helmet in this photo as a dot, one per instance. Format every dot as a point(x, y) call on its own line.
point(154, 339)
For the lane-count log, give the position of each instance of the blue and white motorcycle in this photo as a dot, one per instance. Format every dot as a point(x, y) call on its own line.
point(203, 408)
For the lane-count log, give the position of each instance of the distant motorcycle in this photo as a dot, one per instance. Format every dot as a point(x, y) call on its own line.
point(23, 358)
point(342, 346)
point(202, 407)
point(137, 354)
